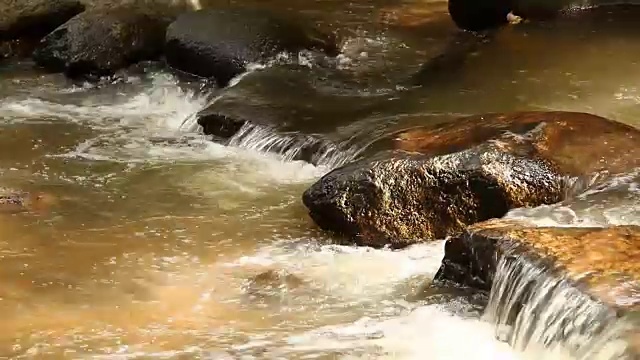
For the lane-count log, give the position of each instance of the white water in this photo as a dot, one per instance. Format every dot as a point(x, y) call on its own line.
point(551, 313)
point(614, 202)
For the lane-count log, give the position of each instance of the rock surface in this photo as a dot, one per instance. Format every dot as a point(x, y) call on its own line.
point(12, 201)
point(99, 42)
point(220, 43)
point(598, 269)
point(24, 22)
point(477, 15)
point(34, 18)
point(473, 169)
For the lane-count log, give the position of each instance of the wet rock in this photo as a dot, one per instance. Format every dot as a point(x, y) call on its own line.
point(272, 284)
point(414, 14)
point(218, 124)
point(262, 131)
point(486, 14)
point(443, 178)
point(19, 48)
point(220, 43)
point(100, 41)
point(12, 201)
point(592, 273)
point(610, 257)
point(476, 15)
point(24, 22)
point(34, 18)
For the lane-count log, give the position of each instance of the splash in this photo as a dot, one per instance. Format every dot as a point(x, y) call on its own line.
point(615, 201)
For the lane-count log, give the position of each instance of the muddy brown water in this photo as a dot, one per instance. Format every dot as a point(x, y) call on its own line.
point(155, 232)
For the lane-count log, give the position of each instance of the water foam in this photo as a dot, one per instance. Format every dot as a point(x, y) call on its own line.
point(533, 308)
point(613, 202)
point(351, 272)
point(156, 124)
point(293, 146)
point(390, 327)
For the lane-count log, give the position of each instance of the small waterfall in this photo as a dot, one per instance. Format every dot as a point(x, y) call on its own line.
point(533, 307)
point(293, 146)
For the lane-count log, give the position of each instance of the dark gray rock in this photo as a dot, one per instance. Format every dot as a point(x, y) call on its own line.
point(99, 42)
point(477, 15)
point(220, 43)
point(442, 179)
point(24, 22)
point(34, 18)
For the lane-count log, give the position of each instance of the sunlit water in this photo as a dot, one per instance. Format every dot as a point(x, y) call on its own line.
point(157, 232)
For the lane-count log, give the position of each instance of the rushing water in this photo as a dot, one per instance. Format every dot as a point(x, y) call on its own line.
point(155, 245)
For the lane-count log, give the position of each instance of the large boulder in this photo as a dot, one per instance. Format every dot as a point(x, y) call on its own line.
point(476, 15)
point(34, 18)
point(441, 179)
point(24, 22)
point(583, 278)
point(99, 42)
point(220, 43)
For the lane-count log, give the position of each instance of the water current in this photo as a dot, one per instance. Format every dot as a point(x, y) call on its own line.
point(161, 244)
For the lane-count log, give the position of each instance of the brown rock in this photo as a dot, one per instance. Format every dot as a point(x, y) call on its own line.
point(16, 201)
point(272, 285)
point(414, 14)
point(577, 143)
point(471, 170)
point(597, 269)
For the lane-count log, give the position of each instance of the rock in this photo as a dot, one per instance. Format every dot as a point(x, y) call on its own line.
point(476, 15)
point(449, 62)
point(220, 43)
point(486, 14)
point(291, 146)
point(24, 22)
point(476, 168)
point(272, 284)
point(20, 48)
point(100, 41)
point(34, 18)
point(593, 272)
point(17, 201)
point(269, 123)
point(414, 14)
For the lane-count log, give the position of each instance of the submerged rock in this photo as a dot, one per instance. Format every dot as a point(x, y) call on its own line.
point(476, 168)
point(100, 41)
point(272, 284)
point(220, 43)
point(584, 279)
point(12, 201)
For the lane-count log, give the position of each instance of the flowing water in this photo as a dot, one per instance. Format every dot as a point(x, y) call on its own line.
point(163, 244)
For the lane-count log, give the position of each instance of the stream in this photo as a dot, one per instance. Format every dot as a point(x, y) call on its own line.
point(162, 244)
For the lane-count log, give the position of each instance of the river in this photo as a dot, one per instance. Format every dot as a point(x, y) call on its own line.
point(161, 244)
